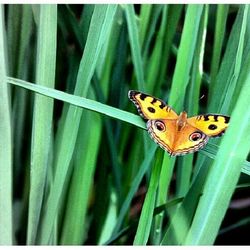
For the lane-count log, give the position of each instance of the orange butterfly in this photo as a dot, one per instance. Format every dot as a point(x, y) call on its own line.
point(177, 134)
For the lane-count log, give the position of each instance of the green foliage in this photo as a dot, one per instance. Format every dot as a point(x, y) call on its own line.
point(74, 167)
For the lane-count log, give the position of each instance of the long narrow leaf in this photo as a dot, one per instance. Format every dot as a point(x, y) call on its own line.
point(5, 148)
point(185, 56)
point(43, 111)
point(226, 169)
point(147, 212)
point(81, 102)
point(100, 24)
point(135, 45)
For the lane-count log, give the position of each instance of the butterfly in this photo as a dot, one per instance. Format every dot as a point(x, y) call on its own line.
point(177, 134)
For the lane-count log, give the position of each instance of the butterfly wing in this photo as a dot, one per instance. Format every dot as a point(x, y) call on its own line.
point(150, 107)
point(187, 140)
point(163, 133)
point(212, 125)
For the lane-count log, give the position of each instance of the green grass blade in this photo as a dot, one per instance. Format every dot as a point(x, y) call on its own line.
point(183, 174)
point(220, 28)
point(73, 232)
point(153, 65)
point(19, 109)
point(135, 45)
point(197, 67)
point(99, 28)
point(242, 76)
point(146, 10)
point(236, 225)
point(68, 17)
point(225, 103)
point(246, 168)
point(174, 14)
point(6, 233)
point(147, 212)
point(134, 186)
point(114, 159)
point(164, 183)
point(81, 102)
point(224, 174)
point(181, 219)
point(225, 74)
point(151, 24)
point(157, 210)
point(42, 119)
point(185, 56)
point(13, 32)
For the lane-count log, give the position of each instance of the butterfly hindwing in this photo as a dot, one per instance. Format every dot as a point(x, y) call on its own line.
point(175, 142)
point(150, 107)
point(212, 125)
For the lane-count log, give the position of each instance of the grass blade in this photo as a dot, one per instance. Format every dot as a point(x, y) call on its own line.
point(81, 102)
point(73, 232)
point(5, 147)
point(164, 183)
point(135, 45)
point(240, 223)
point(225, 74)
point(19, 109)
point(100, 24)
point(224, 174)
point(185, 56)
point(225, 103)
point(221, 18)
point(147, 212)
point(153, 65)
point(42, 119)
point(181, 219)
point(134, 186)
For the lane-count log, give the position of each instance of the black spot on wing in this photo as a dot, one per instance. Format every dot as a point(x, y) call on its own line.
point(142, 96)
point(215, 118)
point(153, 101)
point(212, 127)
point(227, 118)
point(151, 110)
point(206, 117)
point(162, 105)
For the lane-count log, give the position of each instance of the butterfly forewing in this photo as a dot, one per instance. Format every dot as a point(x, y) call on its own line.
point(150, 107)
point(211, 124)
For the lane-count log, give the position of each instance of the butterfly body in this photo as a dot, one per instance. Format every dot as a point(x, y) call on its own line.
point(177, 134)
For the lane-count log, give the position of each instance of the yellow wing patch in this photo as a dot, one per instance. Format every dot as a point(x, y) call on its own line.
point(150, 107)
point(211, 124)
